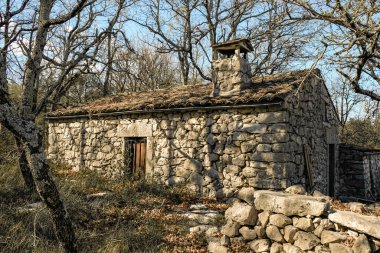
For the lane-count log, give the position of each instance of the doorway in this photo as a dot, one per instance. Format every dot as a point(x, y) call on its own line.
point(135, 156)
point(331, 169)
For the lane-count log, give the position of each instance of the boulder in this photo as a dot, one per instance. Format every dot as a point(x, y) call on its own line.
point(289, 204)
point(248, 233)
point(289, 233)
point(274, 234)
point(225, 241)
point(305, 241)
point(242, 213)
point(369, 225)
point(247, 194)
point(280, 220)
point(276, 248)
point(331, 237)
point(296, 189)
point(215, 247)
point(356, 207)
point(261, 245)
point(361, 245)
point(304, 224)
point(260, 231)
point(288, 248)
point(339, 248)
point(230, 229)
point(264, 218)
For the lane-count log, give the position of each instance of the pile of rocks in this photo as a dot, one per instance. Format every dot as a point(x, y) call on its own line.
point(276, 222)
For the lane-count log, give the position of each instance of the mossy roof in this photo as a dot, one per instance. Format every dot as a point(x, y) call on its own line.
point(268, 88)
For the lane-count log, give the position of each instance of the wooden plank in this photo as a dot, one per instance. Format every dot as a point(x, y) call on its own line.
point(143, 154)
point(137, 154)
point(309, 169)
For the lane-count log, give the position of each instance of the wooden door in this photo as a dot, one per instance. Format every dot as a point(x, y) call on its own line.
point(135, 151)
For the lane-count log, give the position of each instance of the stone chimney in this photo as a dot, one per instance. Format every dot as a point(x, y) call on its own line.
point(231, 71)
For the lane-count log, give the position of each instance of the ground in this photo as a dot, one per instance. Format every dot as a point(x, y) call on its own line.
point(125, 217)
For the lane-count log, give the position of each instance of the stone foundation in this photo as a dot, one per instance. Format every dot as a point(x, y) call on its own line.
point(278, 222)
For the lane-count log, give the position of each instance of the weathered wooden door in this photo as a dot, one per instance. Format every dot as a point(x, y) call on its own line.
point(135, 157)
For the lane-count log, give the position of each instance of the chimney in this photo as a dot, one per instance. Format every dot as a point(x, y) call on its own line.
point(231, 70)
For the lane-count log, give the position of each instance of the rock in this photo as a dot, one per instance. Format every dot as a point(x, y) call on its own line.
point(31, 207)
point(305, 241)
point(339, 248)
point(288, 248)
point(304, 224)
point(225, 241)
point(247, 194)
point(296, 189)
point(247, 233)
point(289, 204)
point(361, 245)
point(274, 234)
point(321, 249)
point(242, 213)
point(205, 217)
point(356, 207)
point(276, 248)
point(212, 234)
point(260, 231)
point(280, 220)
point(215, 247)
point(375, 245)
point(199, 229)
point(198, 206)
point(261, 245)
point(331, 237)
point(289, 233)
point(369, 225)
point(230, 229)
point(264, 218)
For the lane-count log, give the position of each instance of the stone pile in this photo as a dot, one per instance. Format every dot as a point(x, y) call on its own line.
point(276, 222)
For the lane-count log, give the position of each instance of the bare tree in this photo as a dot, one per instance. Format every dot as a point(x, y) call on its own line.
point(37, 21)
point(350, 29)
point(142, 69)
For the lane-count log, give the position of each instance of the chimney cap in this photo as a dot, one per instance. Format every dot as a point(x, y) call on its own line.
point(244, 45)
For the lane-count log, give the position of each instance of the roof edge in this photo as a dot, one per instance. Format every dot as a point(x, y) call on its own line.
point(178, 109)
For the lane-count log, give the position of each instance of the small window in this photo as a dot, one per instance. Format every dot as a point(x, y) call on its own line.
point(135, 156)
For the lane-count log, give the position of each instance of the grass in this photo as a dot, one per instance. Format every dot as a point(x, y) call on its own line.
point(131, 217)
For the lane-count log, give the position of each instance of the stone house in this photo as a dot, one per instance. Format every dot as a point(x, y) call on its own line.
point(265, 132)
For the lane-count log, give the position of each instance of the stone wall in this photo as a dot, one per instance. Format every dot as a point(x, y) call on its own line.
point(214, 152)
point(359, 170)
point(371, 166)
point(276, 222)
point(314, 123)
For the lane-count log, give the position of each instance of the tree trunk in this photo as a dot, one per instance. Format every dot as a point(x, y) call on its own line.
point(48, 191)
point(28, 132)
point(24, 166)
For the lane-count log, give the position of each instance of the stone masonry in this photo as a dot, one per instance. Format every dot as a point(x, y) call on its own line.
point(215, 152)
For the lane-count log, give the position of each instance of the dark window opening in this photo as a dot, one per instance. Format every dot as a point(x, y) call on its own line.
point(135, 157)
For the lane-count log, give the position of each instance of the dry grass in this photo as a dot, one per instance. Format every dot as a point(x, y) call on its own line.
point(132, 217)
point(264, 89)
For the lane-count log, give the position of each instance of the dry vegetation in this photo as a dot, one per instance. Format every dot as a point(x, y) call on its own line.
point(131, 217)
